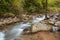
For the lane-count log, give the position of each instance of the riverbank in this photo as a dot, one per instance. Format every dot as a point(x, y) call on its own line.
point(13, 20)
point(22, 25)
point(8, 21)
point(41, 36)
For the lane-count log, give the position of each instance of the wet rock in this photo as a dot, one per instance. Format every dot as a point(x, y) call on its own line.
point(40, 27)
point(55, 28)
point(49, 15)
point(52, 20)
point(58, 24)
point(27, 30)
point(8, 21)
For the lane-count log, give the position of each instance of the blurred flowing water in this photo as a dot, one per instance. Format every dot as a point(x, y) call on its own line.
point(17, 29)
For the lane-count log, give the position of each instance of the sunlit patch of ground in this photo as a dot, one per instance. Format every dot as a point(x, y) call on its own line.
point(42, 36)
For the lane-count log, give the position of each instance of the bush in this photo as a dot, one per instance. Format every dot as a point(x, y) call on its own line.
point(31, 6)
point(7, 6)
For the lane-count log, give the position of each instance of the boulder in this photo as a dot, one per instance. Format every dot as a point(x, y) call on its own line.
point(40, 27)
point(52, 21)
point(53, 18)
point(58, 24)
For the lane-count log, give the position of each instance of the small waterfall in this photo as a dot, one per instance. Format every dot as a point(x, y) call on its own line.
point(55, 29)
point(23, 25)
point(36, 20)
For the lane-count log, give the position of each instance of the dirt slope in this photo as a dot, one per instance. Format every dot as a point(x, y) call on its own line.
point(41, 36)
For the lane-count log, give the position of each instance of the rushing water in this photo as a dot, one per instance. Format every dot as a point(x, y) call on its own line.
point(2, 35)
point(18, 29)
point(35, 20)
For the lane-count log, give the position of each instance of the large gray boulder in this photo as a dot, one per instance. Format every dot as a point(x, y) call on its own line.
point(40, 27)
point(58, 24)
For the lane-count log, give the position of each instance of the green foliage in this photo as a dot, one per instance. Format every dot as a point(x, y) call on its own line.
point(7, 6)
point(31, 6)
point(53, 4)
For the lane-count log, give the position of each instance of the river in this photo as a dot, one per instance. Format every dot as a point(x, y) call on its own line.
point(17, 29)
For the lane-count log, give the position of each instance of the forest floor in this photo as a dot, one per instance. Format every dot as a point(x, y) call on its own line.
point(42, 36)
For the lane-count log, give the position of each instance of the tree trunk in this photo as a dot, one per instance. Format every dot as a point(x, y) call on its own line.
point(46, 9)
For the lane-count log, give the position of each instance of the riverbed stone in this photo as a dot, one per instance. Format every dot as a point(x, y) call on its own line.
point(9, 20)
point(40, 27)
point(58, 24)
point(52, 20)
